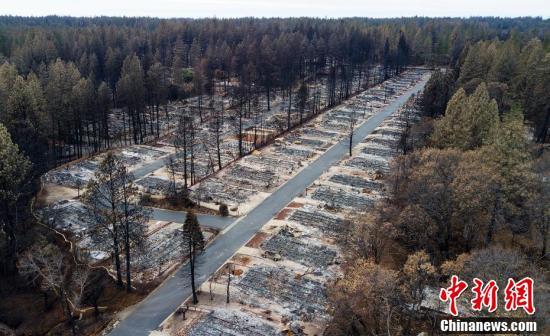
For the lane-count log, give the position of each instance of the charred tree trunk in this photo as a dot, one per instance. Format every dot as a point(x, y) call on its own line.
point(228, 282)
point(127, 252)
point(185, 161)
point(192, 266)
point(116, 252)
point(350, 141)
point(241, 152)
point(268, 91)
point(289, 108)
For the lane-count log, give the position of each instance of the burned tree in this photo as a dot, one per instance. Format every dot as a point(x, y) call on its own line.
point(229, 271)
point(257, 115)
point(157, 88)
point(81, 280)
point(118, 221)
point(240, 96)
point(303, 94)
point(192, 243)
point(184, 141)
point(103, 194)
point(171, 166)
point(130, 90)
point(352, 123)
point(217, 125)
point(134, 218)
point(177, 195)
point(45, 266)
point(97, 282)
point(388, 92)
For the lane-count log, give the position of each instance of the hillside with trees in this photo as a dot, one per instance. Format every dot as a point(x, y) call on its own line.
point(60, 76)
point(469, 195)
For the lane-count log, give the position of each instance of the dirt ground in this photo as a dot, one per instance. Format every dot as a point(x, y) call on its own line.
point(25, 311)
point(52, 193)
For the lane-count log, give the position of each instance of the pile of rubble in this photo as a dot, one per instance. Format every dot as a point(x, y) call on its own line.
point(314, 217)
point(271, 162)
point(369, 164)
point(75, 176)
point(156, 185)
point(356, 182)
point(299, 296)
point(338, 198)
point(265, 170)
point(247, 176)
point(282, 273)
point(214, 190)
point(78, 174)
point(68, 215)
point(231, 322)
point(303, 251)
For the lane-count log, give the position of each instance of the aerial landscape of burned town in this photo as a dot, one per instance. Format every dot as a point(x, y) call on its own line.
point(273, 174)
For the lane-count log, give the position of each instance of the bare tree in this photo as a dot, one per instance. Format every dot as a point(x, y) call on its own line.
point(79, 185)
point(257, 114)
point(171, 165)
point(46, 267)
point(353, 119)
point(303, 95)
point(241, 96)
point(229, 271)
point(218, 125)
point(81, 277)
point(185, 137)
point(134, 218)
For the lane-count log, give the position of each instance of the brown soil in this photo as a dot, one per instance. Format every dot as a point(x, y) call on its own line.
point(257, 240)
point(25, 311)
point(283, 214)
point(52, 193)
point(242, 259)
point(237, 272)
point(16, 312)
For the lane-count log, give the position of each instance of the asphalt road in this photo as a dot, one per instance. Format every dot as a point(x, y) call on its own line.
point(210, 221)
point(148, 315)
point(151, 167)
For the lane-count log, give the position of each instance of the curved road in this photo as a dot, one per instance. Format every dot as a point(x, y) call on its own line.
point(148, 314)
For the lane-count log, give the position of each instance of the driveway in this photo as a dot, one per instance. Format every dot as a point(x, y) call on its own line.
point(209, 221)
